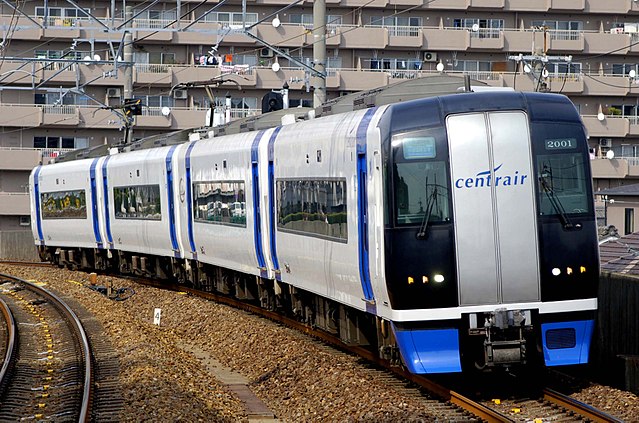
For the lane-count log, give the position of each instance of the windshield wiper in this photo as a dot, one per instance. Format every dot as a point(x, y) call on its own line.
point(430, 203)
point(556, 203)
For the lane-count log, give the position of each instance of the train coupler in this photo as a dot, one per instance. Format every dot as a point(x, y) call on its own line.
point(504, 336)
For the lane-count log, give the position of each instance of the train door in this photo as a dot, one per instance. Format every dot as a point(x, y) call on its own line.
point(494, 208)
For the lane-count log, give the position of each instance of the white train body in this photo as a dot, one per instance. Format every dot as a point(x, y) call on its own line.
point(313, 215)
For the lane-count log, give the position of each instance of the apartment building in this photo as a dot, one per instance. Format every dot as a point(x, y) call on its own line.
point(61, 69)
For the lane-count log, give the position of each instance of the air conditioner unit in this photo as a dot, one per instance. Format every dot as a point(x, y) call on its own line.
point(113, 92)
point(180, 94)
point(266, 52)
point(605, 142)
point(429, 56)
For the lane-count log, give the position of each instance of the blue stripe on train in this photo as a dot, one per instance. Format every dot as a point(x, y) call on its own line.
point(271, 200)
point(171, 202)
point(107, 215)
point(94, 203)
point(362, 213)
point(189, 205)
point(257, 227)
point(36, 192)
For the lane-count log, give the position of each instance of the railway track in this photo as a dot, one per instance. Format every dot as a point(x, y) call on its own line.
point(550, 405)
point(449, 404)
point(48, 371)
point(27, 263)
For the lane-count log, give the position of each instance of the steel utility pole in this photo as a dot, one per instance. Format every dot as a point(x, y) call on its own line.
point(128, 72)
point(319, 52)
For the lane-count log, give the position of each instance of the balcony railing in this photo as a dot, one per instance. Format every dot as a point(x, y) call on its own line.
point(52, 153)
point(55, 66)
point(142, 24)
point(565, 35)
point(53, 21)
point(152, 111)
point(403, 31)
point(480, 32)
point(64, 109)
point(152, 68)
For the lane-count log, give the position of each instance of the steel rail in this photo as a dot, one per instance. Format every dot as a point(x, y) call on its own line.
point(87, 393)
point(11, 351)
point(579, 407)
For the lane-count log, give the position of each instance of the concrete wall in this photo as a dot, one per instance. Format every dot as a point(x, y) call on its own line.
point(17, 245)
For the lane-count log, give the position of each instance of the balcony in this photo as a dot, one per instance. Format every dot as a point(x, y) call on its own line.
point(19, 158)
point(62, 115)
point(572, 41)
point(20, 115)
point(14, 204)
point(610, 127)
point(617, 168)
point(286, 35)
point(154, 74)
point(354, 36)
point(574, 5)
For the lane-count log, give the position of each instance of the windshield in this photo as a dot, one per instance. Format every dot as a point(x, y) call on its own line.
point(562, 177)
point(421, 187)
point(420, 181)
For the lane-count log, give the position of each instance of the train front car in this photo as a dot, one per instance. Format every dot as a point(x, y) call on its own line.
point(491, 249)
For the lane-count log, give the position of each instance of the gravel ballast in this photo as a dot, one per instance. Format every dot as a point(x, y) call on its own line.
point(298, 379)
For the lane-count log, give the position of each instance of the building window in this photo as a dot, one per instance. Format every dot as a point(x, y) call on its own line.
point(154, 18)
point(313, 207)
point(226, 19)
point(137, 202)
point(399, 26)
point(629, 111)
point(561, 30)
point(390, 64)
point(237, 102)
point(306, 20)
point(62, 16)
point(220, 202)
point(154, 101)
point(561, 70)
point(64, 205)
point(60, 142)
point(481, 28)
point(629, 221)
point(58, 99)
point(297, 102)
point(623, 69)
point(396, 21)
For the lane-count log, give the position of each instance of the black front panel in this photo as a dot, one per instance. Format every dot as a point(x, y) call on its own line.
point(567, 228)
point(420, 260)
point(409, 261)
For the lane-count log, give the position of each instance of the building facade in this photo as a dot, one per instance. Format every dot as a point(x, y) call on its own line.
point(62, 77)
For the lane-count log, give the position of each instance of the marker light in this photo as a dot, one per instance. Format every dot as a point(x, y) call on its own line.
point(424, 279)
point(582, 269)
point(569, 270)
point(556, 271)
point(438, 278)
point(410, 280)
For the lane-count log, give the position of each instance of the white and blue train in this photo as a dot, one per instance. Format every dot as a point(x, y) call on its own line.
point(450, 232)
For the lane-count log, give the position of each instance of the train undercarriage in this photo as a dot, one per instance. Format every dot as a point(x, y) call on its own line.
point(496, 340)
point(354, 327)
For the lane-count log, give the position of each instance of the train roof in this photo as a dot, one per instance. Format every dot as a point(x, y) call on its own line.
point(411, 89)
